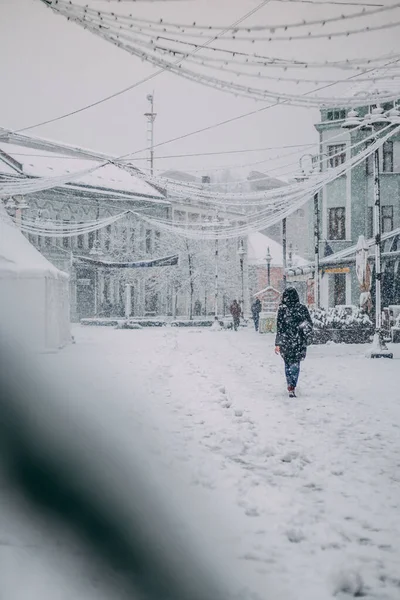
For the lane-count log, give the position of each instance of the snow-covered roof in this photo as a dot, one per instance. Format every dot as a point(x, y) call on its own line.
point(18, 258)
point(39, 163)
point(258, 244)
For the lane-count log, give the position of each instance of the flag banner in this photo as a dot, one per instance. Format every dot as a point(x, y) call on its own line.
point(166, 261)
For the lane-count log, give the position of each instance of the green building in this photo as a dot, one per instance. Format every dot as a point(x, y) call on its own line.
point(346, 211)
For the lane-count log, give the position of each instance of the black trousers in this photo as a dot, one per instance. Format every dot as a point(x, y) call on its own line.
point(256, 319)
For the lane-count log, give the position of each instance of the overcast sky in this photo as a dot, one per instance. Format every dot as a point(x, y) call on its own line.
point(50, 66)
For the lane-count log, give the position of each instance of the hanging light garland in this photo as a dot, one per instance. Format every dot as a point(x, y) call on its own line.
point(163, 27)
point(271, 27)
point(21, 186)
point(263, 67)
point(275, 205)
point(271, 214)
point(109, 20)
point(260, 94)
point(222, 64)
point(111, 23)
point(273, 61)
point(11, 186)
point(82, 17)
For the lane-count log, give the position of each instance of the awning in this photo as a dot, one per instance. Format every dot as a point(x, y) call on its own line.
point(390, 249)
point(166, 261)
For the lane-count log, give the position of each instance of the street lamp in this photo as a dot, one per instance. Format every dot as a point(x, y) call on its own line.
point(241, 254)
point(373, 121)
point(96, 252)
point(268, 259)
point(151, 117)
point(216, 258)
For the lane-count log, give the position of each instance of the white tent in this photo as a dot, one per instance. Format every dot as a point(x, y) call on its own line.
point(34, 295)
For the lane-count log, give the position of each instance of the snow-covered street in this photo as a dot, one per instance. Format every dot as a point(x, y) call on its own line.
point(311, 486)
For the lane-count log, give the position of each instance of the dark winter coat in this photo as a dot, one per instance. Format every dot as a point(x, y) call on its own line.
point(292, 320)
point(235, 310)
point(256, 308)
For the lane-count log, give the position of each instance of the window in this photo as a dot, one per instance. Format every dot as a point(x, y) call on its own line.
point(80, 241)
point(336, 115)
point(337, 155)
point(148, 241)
point(131, 241)
point(387, 219)
point(157, 240)
point(369, 161)
point(66, 240)
point(388, 157)
point(179, 215)
point(107, 242)
point(91, 239)
point(339, 289)
point(123, 238)
point(337, 223)
point(370, 223)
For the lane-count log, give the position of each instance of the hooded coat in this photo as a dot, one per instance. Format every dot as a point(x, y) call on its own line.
point(235, 309)
point(292, 320)
point(256, 308)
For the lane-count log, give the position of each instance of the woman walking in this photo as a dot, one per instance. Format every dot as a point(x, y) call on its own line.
point(256, 308)
point(236, 312)
point(293, 330)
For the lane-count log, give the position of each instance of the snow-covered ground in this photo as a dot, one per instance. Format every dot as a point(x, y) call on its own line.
point(309, 488)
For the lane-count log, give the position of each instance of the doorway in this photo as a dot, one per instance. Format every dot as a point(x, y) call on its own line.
point(339, 289)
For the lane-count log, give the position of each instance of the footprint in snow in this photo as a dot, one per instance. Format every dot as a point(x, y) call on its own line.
point(295, 536)
point(252, 512)
point(293, 455)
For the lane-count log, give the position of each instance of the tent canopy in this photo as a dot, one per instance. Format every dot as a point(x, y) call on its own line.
point(18, 258)
point(34, 295)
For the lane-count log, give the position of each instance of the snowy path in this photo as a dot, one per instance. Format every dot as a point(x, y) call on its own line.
point(311, 486)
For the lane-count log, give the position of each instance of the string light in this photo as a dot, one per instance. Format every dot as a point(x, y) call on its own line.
point(274, 27)
point(269, 38)
point(13, 187)
point(276, 205)
point(231, 87)
point(52, 229)
point(273, 61)
point(109, 21)
point(271, 215)
point(24, 187)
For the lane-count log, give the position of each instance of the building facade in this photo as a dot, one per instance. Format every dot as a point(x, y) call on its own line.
point(220, 268)
point(108, 191)
point(297, 224)
point(346, 205)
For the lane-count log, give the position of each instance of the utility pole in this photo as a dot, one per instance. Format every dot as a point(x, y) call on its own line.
point(379, 349)
point(316, 251)
point(284, 243)
point(151, 117)
point(216, 266)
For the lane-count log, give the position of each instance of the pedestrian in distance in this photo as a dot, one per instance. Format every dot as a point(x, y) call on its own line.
point(256, 308)
point(293, 333)
point(236, 312)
